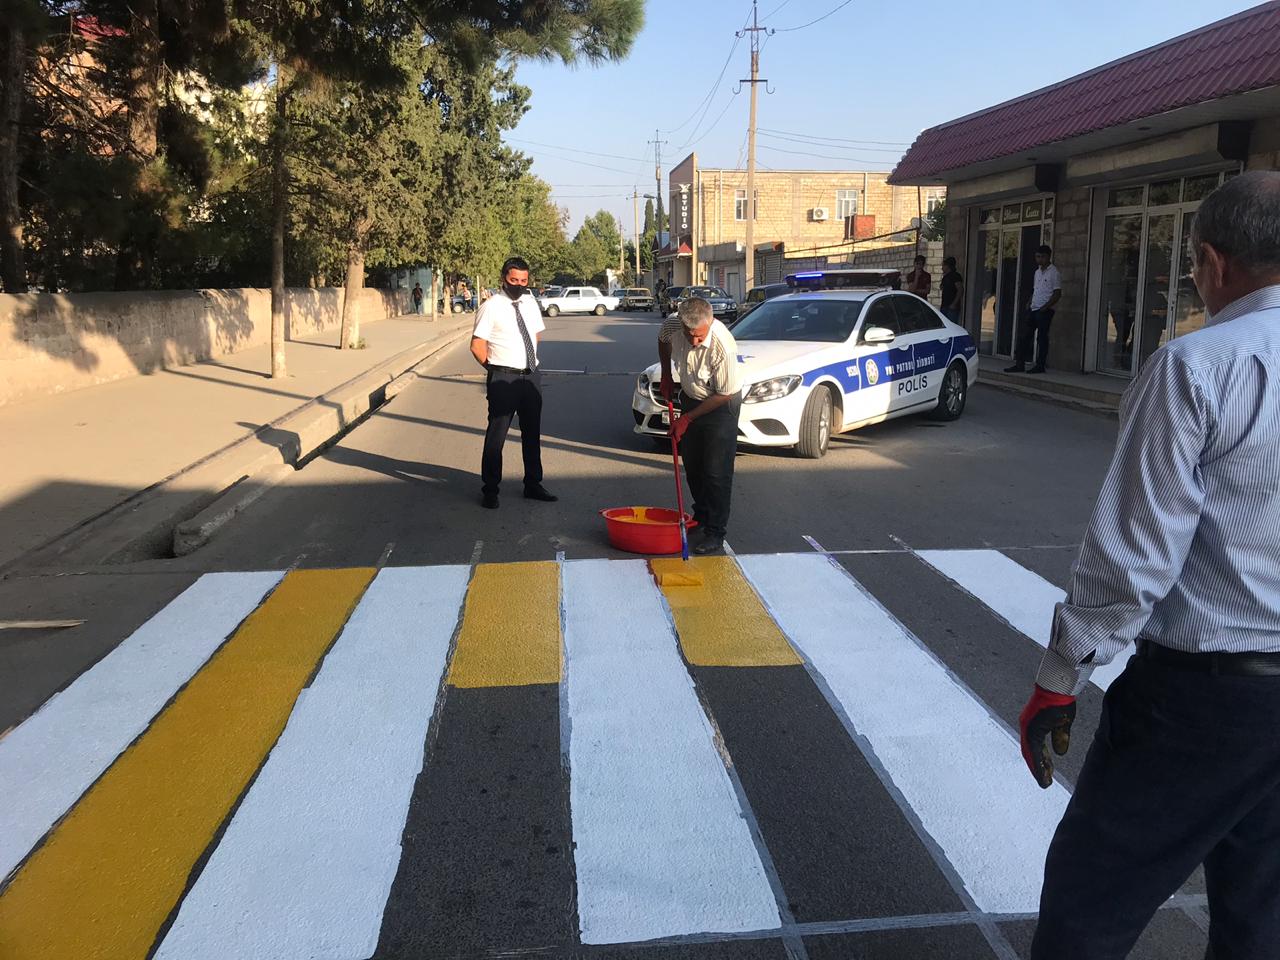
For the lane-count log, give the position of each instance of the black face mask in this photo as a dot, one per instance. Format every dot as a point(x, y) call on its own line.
point(514, 292)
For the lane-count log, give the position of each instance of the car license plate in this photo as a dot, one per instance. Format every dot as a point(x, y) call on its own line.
point(666, 418)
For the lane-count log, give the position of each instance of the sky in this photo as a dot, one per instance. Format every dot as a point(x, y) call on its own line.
point(849, 92)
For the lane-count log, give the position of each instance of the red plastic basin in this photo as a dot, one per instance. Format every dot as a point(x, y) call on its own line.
point(652, 530)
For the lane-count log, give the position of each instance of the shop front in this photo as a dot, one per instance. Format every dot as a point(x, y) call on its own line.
point(1002, 265)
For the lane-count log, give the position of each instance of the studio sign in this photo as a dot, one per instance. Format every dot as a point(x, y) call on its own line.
point(684, 205)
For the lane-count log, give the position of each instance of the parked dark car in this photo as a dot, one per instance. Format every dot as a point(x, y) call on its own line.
point(635, 298)
point(723, 307)
point(758, 295)
point(667, 298)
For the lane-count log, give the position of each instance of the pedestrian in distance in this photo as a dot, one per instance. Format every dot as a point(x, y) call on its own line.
point(703, 350)
point(1046, 290)
point(505, 341)
point(416, 296)
point(919, 281)
point(1181, 556)
point(952, 289)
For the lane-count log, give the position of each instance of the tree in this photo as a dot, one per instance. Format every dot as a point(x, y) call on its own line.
point(935, 222)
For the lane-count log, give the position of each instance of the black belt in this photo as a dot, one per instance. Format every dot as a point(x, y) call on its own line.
point(1232, 664)
point(515, 370)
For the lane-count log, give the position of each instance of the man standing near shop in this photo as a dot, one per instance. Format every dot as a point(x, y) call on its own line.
point(919, 280)
point(952, 289)
point(505, 342)
point(1046, 290)
point(1181, 557)
point(703, 350)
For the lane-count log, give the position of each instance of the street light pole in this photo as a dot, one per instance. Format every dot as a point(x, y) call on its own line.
point(635, 228)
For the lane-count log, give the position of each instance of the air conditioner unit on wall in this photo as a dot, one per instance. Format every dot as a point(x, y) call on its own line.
point(821, 213)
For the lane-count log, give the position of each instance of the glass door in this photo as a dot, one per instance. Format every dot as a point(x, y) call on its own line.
point(1157, 301)
point(1189, 312)
point(1007, 304)
point(987, 287)
point(1121, 254)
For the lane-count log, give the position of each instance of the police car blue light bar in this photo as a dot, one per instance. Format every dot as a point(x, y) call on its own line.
point(845, 278)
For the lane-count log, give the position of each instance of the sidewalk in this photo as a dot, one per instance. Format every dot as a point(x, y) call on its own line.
point(71, 457)
point(1095, 392)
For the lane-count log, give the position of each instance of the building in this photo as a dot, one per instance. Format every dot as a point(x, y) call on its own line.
point(1108, 168)
point(797, 211)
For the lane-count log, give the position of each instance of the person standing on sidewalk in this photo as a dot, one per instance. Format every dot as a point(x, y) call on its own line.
point(417, 298)
point(505, 342)
point(919, 280)
point(952, 289)
point(1181, 556)
point(1046, 290)
point(705, 353)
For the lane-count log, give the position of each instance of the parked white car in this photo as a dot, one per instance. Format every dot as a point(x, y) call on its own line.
point(578, 300)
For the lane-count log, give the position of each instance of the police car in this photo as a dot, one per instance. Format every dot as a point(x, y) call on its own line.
point(846, 349)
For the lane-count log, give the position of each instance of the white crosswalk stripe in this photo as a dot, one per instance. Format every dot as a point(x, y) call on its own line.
point(50, 759)
point(1018, 595)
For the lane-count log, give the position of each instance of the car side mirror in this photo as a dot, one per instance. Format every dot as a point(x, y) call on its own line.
point(878, 335)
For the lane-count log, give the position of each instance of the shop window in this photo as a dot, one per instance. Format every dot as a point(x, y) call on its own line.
point(1166, 191)
point(1197, 188)
point(990, 215)
point(1012, 213)
point(1031, 211)
point(1125, 197)
point(1048, 208)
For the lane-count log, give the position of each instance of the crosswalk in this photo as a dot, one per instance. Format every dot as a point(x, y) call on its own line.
point(305, 764)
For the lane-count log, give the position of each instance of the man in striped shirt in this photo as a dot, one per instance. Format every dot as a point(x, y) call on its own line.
point(1182, 556)
point(704, 353)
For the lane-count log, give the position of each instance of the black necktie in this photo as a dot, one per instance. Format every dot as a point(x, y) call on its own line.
point(530, 358)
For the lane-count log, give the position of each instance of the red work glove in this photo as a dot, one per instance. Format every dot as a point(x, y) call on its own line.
point(679, 427)
point(667, 387)
point(1046, 713)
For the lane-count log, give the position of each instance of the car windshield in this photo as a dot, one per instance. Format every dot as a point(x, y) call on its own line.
point(755, 295)
point(789, 318)
point(707, 292)
point(639, 292)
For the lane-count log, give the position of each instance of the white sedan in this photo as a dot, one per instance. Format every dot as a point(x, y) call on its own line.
point(827, 361)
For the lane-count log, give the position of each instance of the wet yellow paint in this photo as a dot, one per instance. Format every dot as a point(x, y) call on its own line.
point(104, 881)
point(722, 623)
point(510, 627)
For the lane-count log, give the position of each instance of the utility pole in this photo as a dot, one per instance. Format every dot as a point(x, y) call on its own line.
point(657, 180)
point(755, 30)
point(635, 227)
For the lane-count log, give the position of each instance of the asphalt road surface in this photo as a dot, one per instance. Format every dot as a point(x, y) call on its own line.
point(372, 719)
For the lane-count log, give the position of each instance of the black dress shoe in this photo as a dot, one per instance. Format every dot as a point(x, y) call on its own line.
point(489, 501)
point(710, 543)
point(540, 493)
point(1016, 368)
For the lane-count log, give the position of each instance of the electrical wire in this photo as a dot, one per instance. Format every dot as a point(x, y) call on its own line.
point(828, 146)
point(776, 9)
point(705, 101)
point(812, 22)
point(590, 153)
point(715, 123)
point(814, 136)
point(821, 156)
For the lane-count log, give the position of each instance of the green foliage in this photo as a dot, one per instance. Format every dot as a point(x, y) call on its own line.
point(935, 223)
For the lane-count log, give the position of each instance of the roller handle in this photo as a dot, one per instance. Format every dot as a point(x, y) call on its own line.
point(675, 458)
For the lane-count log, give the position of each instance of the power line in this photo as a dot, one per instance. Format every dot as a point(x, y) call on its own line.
point(821, 156)
point(588, 163)
point(715, 123)
point(887, 143)
point(812, 22)
point(590, 153)
point(829, 146)
point(712, 92)
point(776, 9)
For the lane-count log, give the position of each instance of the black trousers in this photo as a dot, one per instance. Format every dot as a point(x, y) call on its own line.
point(1184, 770)
point(513, 395)
point(1035, 327)
point(708, 450)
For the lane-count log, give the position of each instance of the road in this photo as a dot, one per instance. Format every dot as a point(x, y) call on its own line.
point(519, 744)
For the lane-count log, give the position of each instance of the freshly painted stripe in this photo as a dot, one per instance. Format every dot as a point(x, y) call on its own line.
point(722, 623)
point(54, 756)
point(107, 877)
point(660, 843)
point(956, 767)
point(306, 864)
point(511, 627)
point(1023, 598)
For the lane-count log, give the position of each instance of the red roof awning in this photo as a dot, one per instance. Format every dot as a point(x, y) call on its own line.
point(1232, 56)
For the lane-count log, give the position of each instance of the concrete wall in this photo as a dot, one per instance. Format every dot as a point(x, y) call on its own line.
point(53, 343)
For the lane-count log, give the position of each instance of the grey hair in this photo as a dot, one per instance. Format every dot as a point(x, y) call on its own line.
point(695, 313)
point(1241, 220)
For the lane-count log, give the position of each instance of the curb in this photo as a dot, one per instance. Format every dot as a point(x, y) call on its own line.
point(1058, 399)
point(184, 511)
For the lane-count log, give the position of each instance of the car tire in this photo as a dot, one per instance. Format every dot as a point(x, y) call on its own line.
point(599, 310)
point(953, 393)
point(815, 425)
point(457, 308)
point(553, 311)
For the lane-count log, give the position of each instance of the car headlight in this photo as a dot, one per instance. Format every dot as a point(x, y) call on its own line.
point(774, 389)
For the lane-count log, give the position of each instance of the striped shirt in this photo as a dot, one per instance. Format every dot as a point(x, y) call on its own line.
point(1184, 545)
point(710, 368)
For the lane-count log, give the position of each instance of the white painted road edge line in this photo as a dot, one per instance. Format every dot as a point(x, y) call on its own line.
point(958, 769)
point(305, 866)
point(49, 760)
point(1022, 598)
point(660, 842)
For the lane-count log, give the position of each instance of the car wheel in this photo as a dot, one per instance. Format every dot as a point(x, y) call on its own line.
point(457, 308)
point(599, 310)
point(953, 393)
point(553, 311)
point(815, 425)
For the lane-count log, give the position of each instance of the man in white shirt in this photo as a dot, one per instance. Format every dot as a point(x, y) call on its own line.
point(505, 342)
point(1046, 290)
point(705, 354)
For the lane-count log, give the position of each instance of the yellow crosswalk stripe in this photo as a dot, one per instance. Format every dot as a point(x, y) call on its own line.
point(104, 881)
point(510, 628)
point(723, 623)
